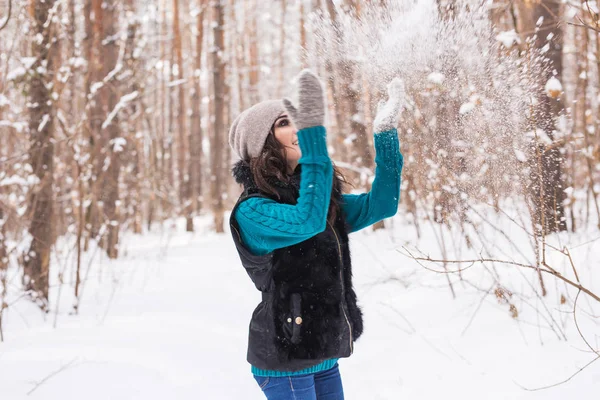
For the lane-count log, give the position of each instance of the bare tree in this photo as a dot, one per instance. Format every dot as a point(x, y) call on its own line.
point(547, 177)
point(302, 35)
point(184, 181)
point(217, 145)
point(41, 153)
point(196, 132)
point(252, 35)
point(110, 189)
point(133, 199)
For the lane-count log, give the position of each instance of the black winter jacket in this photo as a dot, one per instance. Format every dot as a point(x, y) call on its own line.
point(309, 312)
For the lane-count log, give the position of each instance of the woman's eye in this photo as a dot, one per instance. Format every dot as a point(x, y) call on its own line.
point(283, 122)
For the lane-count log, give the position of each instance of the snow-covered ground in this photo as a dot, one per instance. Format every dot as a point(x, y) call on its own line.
point(169, 319)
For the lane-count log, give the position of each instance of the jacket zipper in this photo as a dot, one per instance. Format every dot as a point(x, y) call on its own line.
point(342, 282)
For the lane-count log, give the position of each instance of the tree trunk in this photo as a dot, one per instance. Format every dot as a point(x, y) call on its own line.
point(254, 75)
point(110, 187)
point(219, 126)
point(196, 133)
point(241, 65)
point(170, 180)
point(95, 29)
point(581, 107)
point(163, 76)
point(302, 37)
point(282, 52)
point(184, 181)
point(340, 143)
point(136, 179)
point(41, 153)
point(548, 187)
point(87, 43)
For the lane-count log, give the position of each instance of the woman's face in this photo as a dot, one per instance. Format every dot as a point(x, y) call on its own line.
point(286, 133)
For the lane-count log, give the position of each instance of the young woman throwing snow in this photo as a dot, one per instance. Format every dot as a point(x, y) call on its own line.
point(290, 227)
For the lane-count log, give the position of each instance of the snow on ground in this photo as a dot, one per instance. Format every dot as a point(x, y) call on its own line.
point(169, 320)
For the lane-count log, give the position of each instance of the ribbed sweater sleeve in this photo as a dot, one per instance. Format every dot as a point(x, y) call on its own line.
point(362, 210)
point(266, 225)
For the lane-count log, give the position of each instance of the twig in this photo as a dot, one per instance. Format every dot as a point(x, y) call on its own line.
point(429, 259)
point(559, 383)
point(584, 26)
point(413, 330)
point(441, 226)
point(584, 243)
point(577, 326)
point(550, 270)
point(64, 367)
point(477, 309)
point(1, 315)
point(566, 251)
point(500, 231)
point(110, 300)
point(7, 16)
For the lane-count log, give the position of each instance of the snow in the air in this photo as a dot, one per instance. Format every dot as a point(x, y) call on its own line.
point(508, 38)
point(553, 85)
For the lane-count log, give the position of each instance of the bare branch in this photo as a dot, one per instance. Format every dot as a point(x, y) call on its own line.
point(40, 383)
point(7, 15)
point(549, 269)
point(579, 329)
point(561, 382)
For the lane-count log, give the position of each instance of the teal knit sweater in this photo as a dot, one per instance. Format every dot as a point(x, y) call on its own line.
point(266, 225)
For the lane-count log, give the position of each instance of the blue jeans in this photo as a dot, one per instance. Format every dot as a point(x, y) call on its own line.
point(326, 385)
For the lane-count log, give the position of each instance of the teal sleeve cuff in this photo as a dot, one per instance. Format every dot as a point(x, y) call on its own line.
point(387, 147)
point(313, 144)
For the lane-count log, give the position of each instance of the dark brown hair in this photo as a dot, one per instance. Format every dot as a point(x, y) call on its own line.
point(271, 165)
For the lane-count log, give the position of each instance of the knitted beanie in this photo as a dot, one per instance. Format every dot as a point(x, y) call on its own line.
point(250, 129)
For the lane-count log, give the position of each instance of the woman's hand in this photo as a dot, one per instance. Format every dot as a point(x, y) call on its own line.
point(388, 113)
point(311, 111)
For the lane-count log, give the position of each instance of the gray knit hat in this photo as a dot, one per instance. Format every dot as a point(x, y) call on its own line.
point(250, 129)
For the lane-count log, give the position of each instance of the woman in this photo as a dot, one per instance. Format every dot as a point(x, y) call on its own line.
point(290, 227)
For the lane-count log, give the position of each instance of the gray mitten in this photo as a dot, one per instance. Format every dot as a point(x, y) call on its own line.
point(388, 113)
point(311, 111)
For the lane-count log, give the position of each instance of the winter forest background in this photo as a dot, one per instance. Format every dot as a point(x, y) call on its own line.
point(115, 178)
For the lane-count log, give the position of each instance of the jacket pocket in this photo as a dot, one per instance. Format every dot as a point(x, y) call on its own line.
point(293, 322)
